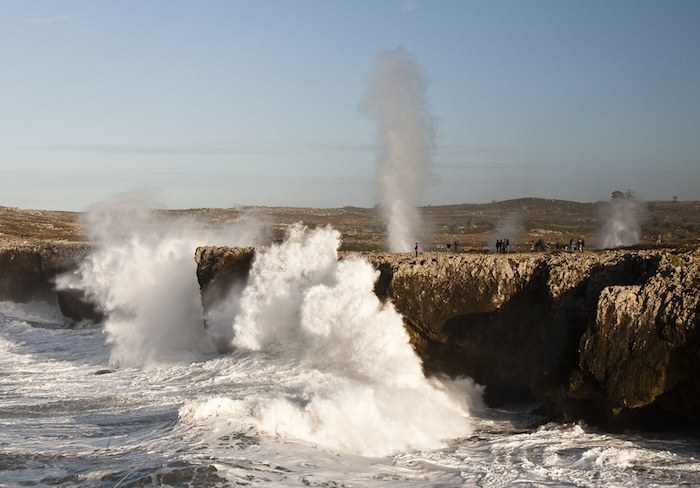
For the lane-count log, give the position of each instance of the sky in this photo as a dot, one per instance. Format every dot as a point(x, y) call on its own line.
point(258, 102)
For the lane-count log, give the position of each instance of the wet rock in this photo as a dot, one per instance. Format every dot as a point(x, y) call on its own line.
point(218, 268)
point(105, 371)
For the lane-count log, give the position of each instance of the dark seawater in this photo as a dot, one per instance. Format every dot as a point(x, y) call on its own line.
point(189, 423)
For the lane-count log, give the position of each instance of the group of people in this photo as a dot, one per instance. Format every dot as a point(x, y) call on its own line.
point(502, 246)
point(449, 246)
point(573, 245)
point(576, 246)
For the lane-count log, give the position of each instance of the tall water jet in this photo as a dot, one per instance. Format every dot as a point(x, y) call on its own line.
point(508, 228)
point(622, 217)
point(396, 98)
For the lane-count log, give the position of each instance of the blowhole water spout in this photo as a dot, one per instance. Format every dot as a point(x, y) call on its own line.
point(396, 99)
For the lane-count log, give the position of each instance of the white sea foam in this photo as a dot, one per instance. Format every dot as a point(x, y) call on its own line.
point(355, 383)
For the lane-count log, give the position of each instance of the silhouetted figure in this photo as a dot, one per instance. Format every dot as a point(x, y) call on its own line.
point(416, 249)
point(448, 247)
point(455, 247)
point(571, 244)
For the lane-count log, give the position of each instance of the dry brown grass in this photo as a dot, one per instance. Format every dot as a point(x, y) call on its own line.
point(474, 226)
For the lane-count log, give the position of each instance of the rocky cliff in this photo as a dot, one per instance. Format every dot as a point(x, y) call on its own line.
point(610, 337)
point(28, 271)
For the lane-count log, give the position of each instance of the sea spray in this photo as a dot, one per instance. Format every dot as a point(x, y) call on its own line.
point(509, 228)
point(623, 217)
point(396, 98)
point(345, 376)
point(142, 274)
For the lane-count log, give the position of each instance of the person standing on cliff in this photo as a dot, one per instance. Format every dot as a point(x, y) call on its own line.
point(416, 249)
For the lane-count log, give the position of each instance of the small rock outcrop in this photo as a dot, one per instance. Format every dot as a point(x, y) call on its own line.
point(610, 337)
point(218, 268)
point(28, 271)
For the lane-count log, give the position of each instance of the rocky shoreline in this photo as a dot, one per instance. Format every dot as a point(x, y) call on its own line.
point(611, 337)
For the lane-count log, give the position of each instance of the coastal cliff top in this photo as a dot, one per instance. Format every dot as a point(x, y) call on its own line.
point(475, 226)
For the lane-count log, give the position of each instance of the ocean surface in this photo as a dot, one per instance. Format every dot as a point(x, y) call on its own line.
point(318, 387)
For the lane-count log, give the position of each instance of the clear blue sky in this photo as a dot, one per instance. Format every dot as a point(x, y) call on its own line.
point(225, 103)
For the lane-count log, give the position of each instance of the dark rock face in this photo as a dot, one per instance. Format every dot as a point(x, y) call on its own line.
point(28, 272)
point(644, 347)
point(610, 337)
point(218, 268)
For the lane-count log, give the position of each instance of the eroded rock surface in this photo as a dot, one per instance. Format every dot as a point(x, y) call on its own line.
point(610, 336)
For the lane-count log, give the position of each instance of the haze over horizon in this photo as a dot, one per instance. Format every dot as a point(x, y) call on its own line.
point(226, 103)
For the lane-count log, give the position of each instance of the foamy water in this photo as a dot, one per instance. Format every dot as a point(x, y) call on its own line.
point(321, 388)
point(193, 423)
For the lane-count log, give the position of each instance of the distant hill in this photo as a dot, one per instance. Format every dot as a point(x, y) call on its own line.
point(474, 226)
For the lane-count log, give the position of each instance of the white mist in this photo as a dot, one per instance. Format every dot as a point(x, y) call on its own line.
point(396, 98)
point(623, 218)
point(142, 274)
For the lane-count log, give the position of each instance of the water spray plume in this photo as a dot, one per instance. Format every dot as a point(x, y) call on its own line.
point(396, 98)
point(359, 385)
point(142, 274)
point(509, 228)
point(623, 217)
